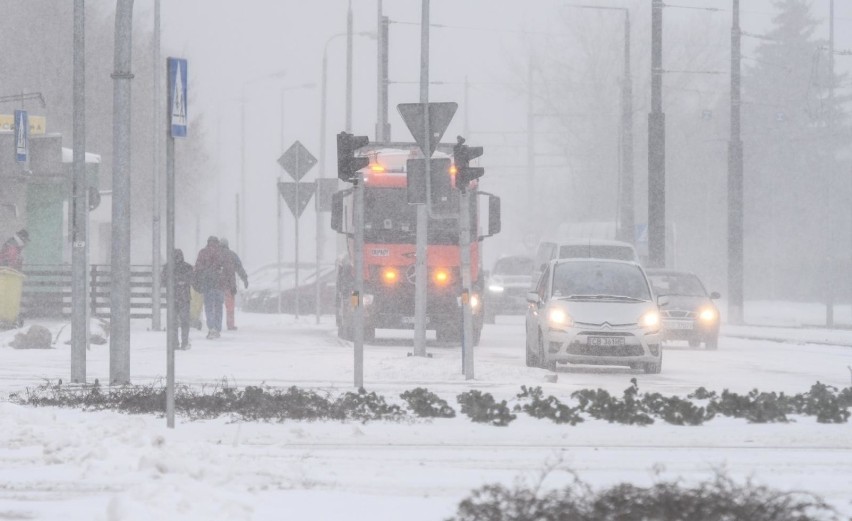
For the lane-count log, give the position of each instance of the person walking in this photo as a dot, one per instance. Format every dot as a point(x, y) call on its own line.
point(233, 267)
point(11, 254)
point(183, 283)
point(209, 279)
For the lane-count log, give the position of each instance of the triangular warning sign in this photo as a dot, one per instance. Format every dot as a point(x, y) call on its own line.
point(440, 115)
point(297, 196)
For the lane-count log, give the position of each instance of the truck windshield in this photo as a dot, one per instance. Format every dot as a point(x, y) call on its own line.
point(388, 218)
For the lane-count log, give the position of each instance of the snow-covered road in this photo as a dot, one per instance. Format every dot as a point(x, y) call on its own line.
point(74, 465)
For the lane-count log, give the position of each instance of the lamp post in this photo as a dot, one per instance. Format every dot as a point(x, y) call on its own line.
point(242, 224)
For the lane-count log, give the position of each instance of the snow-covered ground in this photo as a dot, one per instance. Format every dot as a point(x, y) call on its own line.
point(68, 464)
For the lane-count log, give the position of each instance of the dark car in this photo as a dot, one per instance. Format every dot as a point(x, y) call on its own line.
point(507, 287)
point(690, 314)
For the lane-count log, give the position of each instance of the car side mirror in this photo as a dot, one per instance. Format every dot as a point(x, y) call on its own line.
point(715, 295)
point(533, 298)
point(662, 301)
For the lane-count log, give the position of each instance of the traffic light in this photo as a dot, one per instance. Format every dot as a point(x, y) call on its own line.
point(462, 154)
point(347, 164)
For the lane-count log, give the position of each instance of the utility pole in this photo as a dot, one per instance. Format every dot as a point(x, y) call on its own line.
point(349, 68)
point(79, 239)
point(830, 272)
point(420, 280)
point(735, 180)
point(382, 33)
point(531, 207)
point(657, 146)
point(155, 225)
point(627, 214)
point(119, 360)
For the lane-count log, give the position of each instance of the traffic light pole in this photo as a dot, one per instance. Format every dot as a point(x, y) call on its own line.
point(467, 294)
point(420, 282)
point(359, 281)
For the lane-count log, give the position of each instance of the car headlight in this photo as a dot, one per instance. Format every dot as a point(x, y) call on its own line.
point(708, 315)
point(496, 288)
point(650, 320)
point(558, 318)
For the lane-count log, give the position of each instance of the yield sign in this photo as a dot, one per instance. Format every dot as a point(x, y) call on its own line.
point(297, 161)
point(440, 115)
point(296, 195)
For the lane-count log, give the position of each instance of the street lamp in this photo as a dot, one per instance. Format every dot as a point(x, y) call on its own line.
point(241, 222)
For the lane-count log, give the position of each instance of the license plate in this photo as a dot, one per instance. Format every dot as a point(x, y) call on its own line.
point(677, 324)
point(606, 341)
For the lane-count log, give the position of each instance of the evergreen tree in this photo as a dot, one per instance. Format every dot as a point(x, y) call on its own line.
point(792, 202)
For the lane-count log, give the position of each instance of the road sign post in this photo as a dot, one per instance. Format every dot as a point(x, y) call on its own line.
point(427, 123)
point(296, 161)
point(177, 124)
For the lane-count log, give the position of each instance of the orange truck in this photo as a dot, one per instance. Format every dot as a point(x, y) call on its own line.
point(390, 231)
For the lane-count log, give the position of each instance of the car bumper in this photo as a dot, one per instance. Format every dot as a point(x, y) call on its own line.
point(574, 346)
point(688, 329)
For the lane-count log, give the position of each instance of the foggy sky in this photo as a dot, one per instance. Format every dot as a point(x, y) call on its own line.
point(233, 45)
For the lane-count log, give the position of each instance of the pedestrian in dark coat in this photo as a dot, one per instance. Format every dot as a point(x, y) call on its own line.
point(11, 254)
point(233, 267)
point(209, 279)
point(183, 283)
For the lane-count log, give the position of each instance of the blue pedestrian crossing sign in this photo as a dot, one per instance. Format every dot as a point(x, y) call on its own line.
point(22, 136)
point(177, 97)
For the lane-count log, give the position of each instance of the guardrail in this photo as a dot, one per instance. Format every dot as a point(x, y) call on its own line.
point(47, 291)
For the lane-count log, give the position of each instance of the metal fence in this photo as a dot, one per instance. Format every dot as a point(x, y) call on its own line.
point(47, 291)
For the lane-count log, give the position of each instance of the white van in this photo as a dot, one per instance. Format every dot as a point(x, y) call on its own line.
point(582, 249)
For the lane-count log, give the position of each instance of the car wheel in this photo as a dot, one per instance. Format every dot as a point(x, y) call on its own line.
point(544, 363)
point(450, 333)
point(695, 343)
point(654, 367)
point(712, 343)
point(532, 359)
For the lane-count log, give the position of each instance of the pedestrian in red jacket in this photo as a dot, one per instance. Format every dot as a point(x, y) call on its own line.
point(11, 254)
point(209, 280)
point(233, 267)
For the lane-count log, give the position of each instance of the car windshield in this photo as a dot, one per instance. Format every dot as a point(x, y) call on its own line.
point(596, 251)
point(596, 279)
point(514, 266)
point(390, 219)
point(684, 284)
